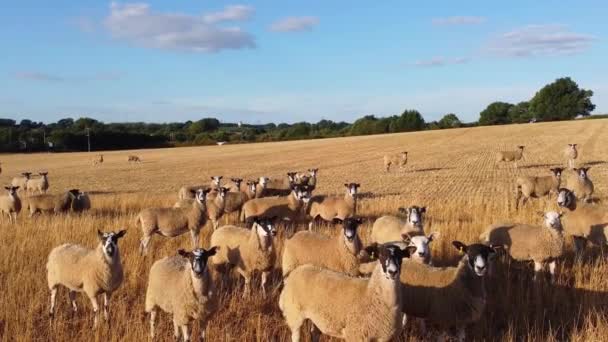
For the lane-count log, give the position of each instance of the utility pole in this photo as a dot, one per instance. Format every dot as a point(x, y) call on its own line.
point(88, 138)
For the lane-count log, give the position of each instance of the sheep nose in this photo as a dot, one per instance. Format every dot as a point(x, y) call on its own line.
point(392, 273)
point(421, 254)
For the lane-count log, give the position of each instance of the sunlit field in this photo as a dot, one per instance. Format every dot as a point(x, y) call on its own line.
point(451, 172)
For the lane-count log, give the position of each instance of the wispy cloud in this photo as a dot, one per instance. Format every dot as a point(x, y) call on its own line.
point(440, 61)
point(294, 24)
point(136, 23)
point(540, 40)
point(230, 13)
point(47, 77)
point(459, 20)
point(37, 76)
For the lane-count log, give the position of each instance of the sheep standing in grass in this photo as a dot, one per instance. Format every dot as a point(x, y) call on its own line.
point(339, 253)
point(98, 159)
point(235, 185)
point(50, 203)
point(279, 187)
point(571, 153)
point(172, 222)
point(542, 245)
point(261, 185)
point(312, 183)
point(182, 286)
point(40, 184)
point(510, 156)
point(81, 202)
point(578, 181)
point(236, 200)
point(286, 208)
point(21, 181)
point(92, 271)
point(248, 250)
point(399, 159)
point(133, 159)
point(392, 228)
point(215, 206)
point(530, 186)
point(331, 207)
point(583, 222)
point(10, 204)
point(190, 191)
point(350, 308)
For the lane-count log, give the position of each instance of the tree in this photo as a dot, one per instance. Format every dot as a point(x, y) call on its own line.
point(449, 121)
point(409, 120)
point(520, 113)
point(561, 100)
point(497, 113)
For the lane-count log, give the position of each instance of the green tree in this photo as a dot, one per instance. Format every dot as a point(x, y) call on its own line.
point(497, 113)
point(409, 120)
point(561, 100)
point(520, 113)
point(449, 121)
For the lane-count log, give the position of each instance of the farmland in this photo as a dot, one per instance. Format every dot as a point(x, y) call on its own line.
point(452, 172)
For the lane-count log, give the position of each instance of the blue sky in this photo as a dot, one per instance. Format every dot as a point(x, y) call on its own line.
point(263, 61)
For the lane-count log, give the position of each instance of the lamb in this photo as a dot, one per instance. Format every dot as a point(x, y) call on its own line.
point(10, 204)
point(50, 203)
point(328, 208)
point(216, 206)
point(510, 156)
point(450, 297)
point(280, 187)
point(81, 202)
point(578, 181)
point(182, 286)
point(172, 222)
point(98, 160)
point(284, 207)
point(350, 308)
point(399, 159)
point(248, 250)
point(92, 271)
point(583, 222)
point(190, 191)
point(392, 228)
point(40, 184)
point(542, 245)
point(529, 186)
point(571, 153)
point(339, 253)
point(133, 159)
point(21, 181)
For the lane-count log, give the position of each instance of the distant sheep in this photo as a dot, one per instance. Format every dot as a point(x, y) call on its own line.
point(571, 153)
point(399, 159)
point(510, 156)
point(579, 182)
point(98, 160)
point(50, 203)
point(21, 181)
point(40, 184)
point(133, 159)
point(10, 204)
point(332, 207)
point(390, 228)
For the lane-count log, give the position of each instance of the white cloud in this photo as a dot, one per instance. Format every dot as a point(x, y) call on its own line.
point(540, 40)
point(294, 24)
point(136, 23)
point(440, 61)
point(47, 77)
point(459, 20)
point(230, 13)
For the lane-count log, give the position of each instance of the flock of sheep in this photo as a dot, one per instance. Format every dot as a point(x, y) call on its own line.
point(346, 289)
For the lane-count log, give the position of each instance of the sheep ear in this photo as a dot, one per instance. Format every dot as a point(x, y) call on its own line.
point(337, 221)
point(433, 236)
point(346, 185)
point(359, 220)
point(402, 210)
point(372, 250)
point(121, 233)
point(7, 187)
point(99, 234)
point(423, 210)
point(496, 248)
point(409, 250)
point(406, 237)
point(183, 253)
point(460, 246)
point(212, 251)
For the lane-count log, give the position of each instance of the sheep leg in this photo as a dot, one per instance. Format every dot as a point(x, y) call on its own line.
point(461, 334)
point(176, 330)
point(203, 327)
point(295, 326)
point(552, 266)
point(95, 305)
point(264, 280)
point(247, 283)
point(53, 296)
point(14, 217)
point(538, 267)
point(185, 333)
point(315, 333)
point(106, 305)
point(72, 295)
point(153, 314)
point(143, 247)
point(579, 244)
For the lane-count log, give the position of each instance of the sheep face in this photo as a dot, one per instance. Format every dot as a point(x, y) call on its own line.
point(313, 173)
point(237, 181)
point(301, 193)
point(109, 241)
point(565, 198)
point(201, 195)
point(414, 215)
point(390, 257)
point(252, 187)
point(42, 174)
point(198, 259)
point(291, 176)
point(217, 180)
point(557, 172)
point(552, 219)
point(478, 256)
point(73, 193)
point(263, 181)
point(572, 146)
point(582, 172)
point(521, 147)
point(222, 192)
point(350, 226)
point(421, 243)
point(27, 175)
point(265, 227)
point(352, 188)
point(11, 190)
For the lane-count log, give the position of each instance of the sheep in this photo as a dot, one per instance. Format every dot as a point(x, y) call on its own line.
point(339, 253)
point(422, 243)
point(392, 228)
point(248, 250)
point(50, 203)
point(399, 159)
point(350, 308)
point(578, 180)
point(190, 191)
point(40, 184)
point(234, 200)
point(279, 187)
point(571, 153)
point(312, 183)
point(172, 222)
point(21, 181)
point(328, 208)
point(450, 297)
point(261, 184)
point(133, 159)
point(98, 160)
point(216, 206)
point(583, 222)
point(81, 202)
point(530, 186)
point(182, 286)
point(10, 204)
point(235, 186)
point(284, 207)
point(542, 245)
point(510, 156)
point(92, 271)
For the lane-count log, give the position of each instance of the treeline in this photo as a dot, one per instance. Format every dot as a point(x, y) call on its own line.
point(560, 100)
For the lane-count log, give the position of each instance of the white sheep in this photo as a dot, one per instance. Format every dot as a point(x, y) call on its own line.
point(190, 191)
point(21, 181)
point(571, 153)
point(339, 253)
point(10, 204)
point(530, 186)
point(542, 245)
point(583, 222)
point(279, 187)
point(40, 184)
point(216, 203)
point(248, 250)
point(286, 208)
point(182, 286)
point(92, 271)
point(331, 207)
point(392, 228)
point(350, 308)
point(46, 203)
point(578, 181)
point(509, 156)
point(399, 159)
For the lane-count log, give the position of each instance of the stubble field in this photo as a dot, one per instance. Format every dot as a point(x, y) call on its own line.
point(452, 172)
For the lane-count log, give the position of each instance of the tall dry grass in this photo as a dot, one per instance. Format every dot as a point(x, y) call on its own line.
point(451, 172)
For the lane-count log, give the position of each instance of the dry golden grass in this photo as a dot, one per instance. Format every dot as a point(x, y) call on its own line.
point(451, 172)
